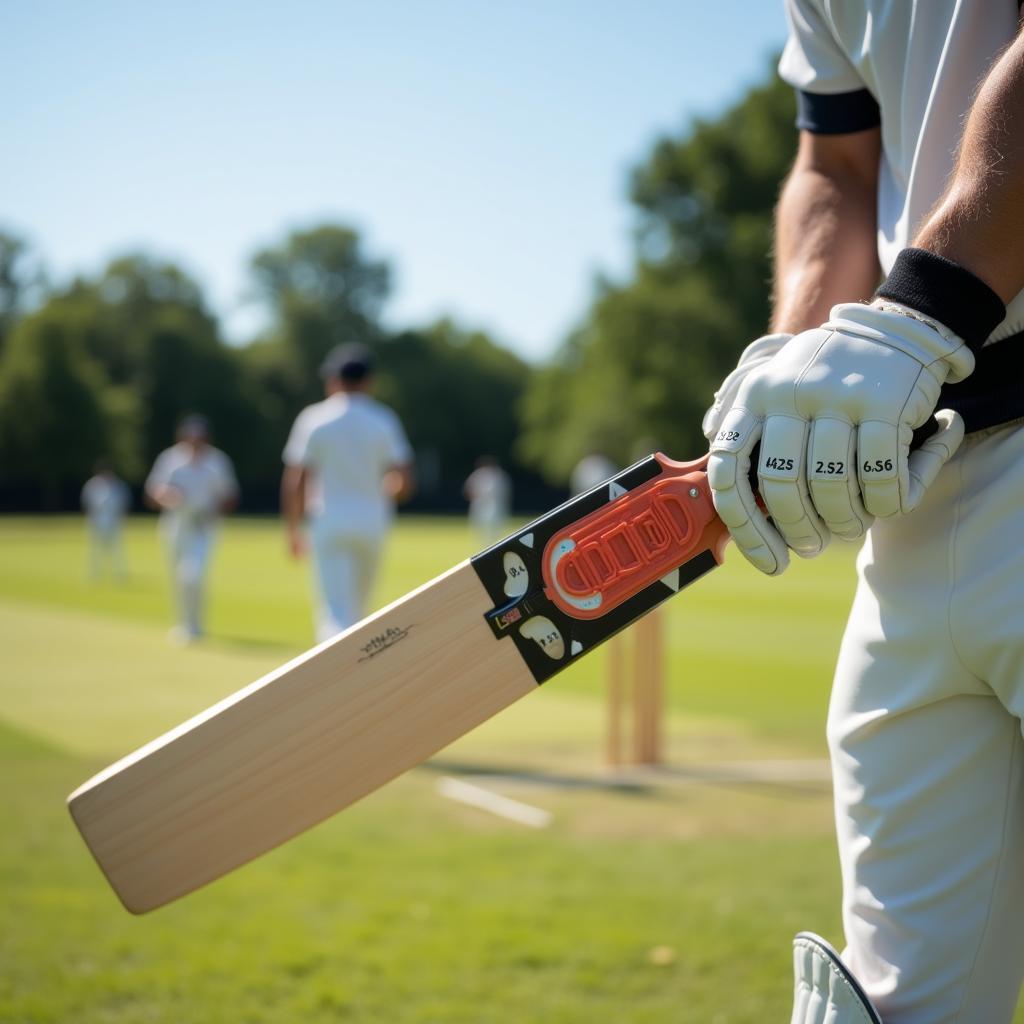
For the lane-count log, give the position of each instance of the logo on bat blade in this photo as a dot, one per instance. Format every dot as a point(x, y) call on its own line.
point(508, 618)
point(382, 641)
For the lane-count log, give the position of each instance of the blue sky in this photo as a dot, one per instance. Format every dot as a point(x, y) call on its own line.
point(482, 148)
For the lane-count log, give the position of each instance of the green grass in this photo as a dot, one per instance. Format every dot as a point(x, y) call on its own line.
point(669, 900)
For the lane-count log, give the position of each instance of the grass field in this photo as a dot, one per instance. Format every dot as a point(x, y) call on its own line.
point(651, 898)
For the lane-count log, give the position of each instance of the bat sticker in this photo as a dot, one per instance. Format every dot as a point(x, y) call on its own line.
point(595, 564)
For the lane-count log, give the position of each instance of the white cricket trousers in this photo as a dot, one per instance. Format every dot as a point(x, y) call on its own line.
point(346, 564)
point(189, 547)
point(105, 548)
point(925, 737)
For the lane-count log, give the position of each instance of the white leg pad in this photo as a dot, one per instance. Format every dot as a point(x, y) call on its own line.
point(825, 992)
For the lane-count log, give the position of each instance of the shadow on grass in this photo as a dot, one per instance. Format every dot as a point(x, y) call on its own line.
point(808, 778)
point(539, 777)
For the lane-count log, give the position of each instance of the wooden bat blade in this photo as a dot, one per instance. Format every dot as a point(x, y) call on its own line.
point(300, 744)
point(336, 723)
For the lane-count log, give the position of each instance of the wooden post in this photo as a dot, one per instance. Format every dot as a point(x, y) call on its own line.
point(647, 689)
point(616, 685)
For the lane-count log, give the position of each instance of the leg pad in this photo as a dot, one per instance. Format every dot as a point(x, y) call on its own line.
point(825, 992)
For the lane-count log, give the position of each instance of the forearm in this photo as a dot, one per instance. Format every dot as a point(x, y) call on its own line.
point(293, 497)
point(979, 222)
point(162, 497)
point(825, 230)
point(399, 483)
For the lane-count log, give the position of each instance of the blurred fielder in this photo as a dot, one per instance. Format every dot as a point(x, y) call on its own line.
point(347, 462)
point(488, 490)
point(911, 164)
point(106, 500)
point(593, 469)
point(192, 484)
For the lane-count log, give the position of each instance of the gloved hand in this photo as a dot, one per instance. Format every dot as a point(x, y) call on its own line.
point(834, 412)
point(756, 354)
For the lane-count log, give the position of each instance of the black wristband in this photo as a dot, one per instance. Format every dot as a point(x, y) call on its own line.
point(944, 291)
point(836, 113)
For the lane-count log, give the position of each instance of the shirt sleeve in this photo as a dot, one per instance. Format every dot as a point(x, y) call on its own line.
point(296, 449)
point(160, 474)
point(228, 479)
point(831, 96)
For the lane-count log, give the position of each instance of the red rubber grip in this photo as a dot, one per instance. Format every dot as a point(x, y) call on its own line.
point(596, 563)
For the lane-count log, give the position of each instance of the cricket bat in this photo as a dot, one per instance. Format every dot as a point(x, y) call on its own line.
point(341, 720)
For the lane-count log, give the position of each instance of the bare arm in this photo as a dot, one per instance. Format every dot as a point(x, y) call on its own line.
point(825, 229)
point(979, 222)
point(399, 483)
point(293, 507)
point(162, 497)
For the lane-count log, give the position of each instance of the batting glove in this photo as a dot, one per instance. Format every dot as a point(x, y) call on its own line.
point(755, 355)
point(834, 413)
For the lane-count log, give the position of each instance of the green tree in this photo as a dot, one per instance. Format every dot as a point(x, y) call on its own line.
point(634, 378)
point(642, 367)
point(188, 370)
point(58, 413)
point(323, 290)
point(457, 393)
point(705, 199)
point(20, 275)
point(144, 322)
point(121, 306)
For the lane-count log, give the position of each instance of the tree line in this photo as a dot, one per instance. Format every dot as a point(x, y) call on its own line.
point(107, 364)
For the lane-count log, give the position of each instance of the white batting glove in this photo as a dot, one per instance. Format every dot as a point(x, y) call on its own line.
point(834, 412)
point(755, 355)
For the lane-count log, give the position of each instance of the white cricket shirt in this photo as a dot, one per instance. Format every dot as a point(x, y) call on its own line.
point(490, 490)
point(348, 442)
point(205, 481)
point(105, 499)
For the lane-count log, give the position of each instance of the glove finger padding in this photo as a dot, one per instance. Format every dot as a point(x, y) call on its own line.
point(756, 354)
point(734, 497)
point(879, 465)
point(782, 481)
point(832, 478)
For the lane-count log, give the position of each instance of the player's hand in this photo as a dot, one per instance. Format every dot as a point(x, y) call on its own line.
point(168, 497)
point(297, 544)
point(755, 355)
point(834, 412)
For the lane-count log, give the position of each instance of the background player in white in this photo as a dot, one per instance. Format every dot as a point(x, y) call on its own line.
point(593, 469)
point(193, 484)
point(106, 500)
point(910, 163)
point(488, 490)
point(347, 462)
